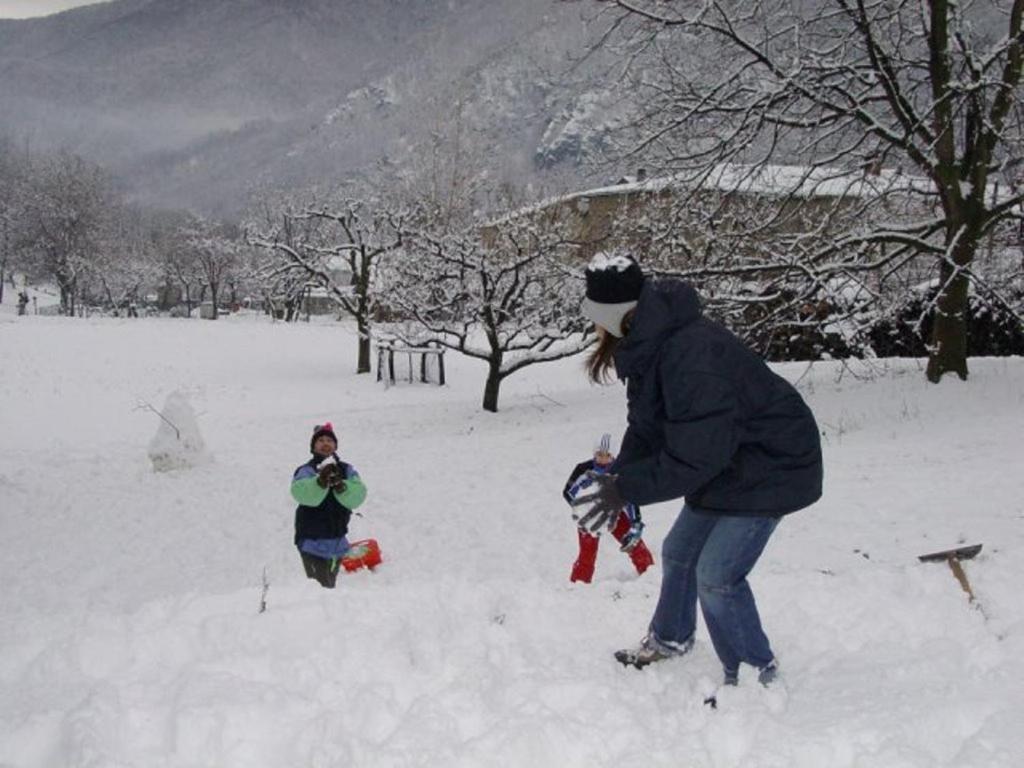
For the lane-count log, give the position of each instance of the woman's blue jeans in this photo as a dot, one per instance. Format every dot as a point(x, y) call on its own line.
point(708, 557)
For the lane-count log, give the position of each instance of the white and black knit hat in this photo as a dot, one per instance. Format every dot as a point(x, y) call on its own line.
point(614, 282)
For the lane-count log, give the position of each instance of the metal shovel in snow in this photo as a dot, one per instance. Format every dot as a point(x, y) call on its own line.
point(953, 557)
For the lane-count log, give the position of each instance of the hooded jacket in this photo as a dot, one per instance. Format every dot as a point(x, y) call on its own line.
point(708, 419)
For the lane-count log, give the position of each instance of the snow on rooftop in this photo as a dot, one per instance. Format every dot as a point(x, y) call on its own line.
point(765, 180)
point(775, 180)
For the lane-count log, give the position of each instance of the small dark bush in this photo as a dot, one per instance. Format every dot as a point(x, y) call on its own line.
point(992, 331)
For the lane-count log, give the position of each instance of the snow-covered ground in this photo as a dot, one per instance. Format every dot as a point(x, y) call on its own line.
point(130, 631)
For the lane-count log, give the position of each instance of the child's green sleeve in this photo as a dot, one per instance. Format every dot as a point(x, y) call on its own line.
point(354, 493)
point(307, 491)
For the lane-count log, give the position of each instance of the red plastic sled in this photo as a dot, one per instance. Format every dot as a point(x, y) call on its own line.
point(362, 554)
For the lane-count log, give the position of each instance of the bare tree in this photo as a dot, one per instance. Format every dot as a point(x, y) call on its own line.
point(127, 264)
point(281, 286)
point(504, 293)
point(178, 262)
point(182, 264)
point(445, 173)
point(926, 92)
point(216, 247)
point(311, 240)
point(751, 238)
point(12, 181)
point(68, 205)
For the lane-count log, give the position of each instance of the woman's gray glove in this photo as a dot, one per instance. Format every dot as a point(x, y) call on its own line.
point(602, 505)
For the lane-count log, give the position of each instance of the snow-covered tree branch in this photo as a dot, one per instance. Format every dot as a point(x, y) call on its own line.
point(313, 240)
point(217, 250)
point(921, 102)
point(506, 293)
point(67, 210)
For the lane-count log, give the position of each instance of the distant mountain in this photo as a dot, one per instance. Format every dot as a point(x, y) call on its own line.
point(197, 103)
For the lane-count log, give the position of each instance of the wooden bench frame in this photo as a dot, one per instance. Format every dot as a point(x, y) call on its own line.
point(386, 350)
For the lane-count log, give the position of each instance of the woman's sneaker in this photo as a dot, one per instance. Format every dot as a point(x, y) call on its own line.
point(649, 651)
point(769, 673)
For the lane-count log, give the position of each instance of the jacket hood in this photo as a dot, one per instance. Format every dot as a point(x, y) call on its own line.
point(664, 307)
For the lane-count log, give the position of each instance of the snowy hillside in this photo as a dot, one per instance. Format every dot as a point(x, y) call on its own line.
point(130, 631)
point(193, 103)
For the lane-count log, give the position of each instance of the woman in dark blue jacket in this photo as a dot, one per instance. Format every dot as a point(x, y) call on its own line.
point(708, 421)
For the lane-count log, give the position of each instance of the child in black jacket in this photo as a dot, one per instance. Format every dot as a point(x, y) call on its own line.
point(628, 527)
point(327, 490)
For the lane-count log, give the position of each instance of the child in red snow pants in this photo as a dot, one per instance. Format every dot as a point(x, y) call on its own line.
point(628, 528)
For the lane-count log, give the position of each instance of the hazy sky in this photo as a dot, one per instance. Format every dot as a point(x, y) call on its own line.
point(22, 9)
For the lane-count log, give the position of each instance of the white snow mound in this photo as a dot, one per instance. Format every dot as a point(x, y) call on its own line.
point(177, 443)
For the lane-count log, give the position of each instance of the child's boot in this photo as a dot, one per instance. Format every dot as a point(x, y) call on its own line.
point(641, 557)
point(583, 568)
point(628, 535)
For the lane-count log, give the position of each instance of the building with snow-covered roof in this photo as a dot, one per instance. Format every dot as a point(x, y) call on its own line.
point(687, 208)
point(736, 209)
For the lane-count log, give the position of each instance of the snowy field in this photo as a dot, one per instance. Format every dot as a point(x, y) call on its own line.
point(130, 631)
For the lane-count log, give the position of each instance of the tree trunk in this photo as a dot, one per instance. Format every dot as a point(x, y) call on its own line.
point(364, 346)
point(213, 295)
point(492, 386)
point(363, 310)
point(3, 264)
point(110, 297)
point(67, 298)
point(949, 330)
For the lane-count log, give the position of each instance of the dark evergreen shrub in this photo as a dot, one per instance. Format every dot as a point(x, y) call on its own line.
point(992, 331)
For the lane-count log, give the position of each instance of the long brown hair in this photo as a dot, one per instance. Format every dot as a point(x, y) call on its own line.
point(601, 360)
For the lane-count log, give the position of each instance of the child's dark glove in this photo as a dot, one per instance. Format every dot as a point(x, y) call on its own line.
point(603, 505)
point(338, 484)
point(326, 475)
